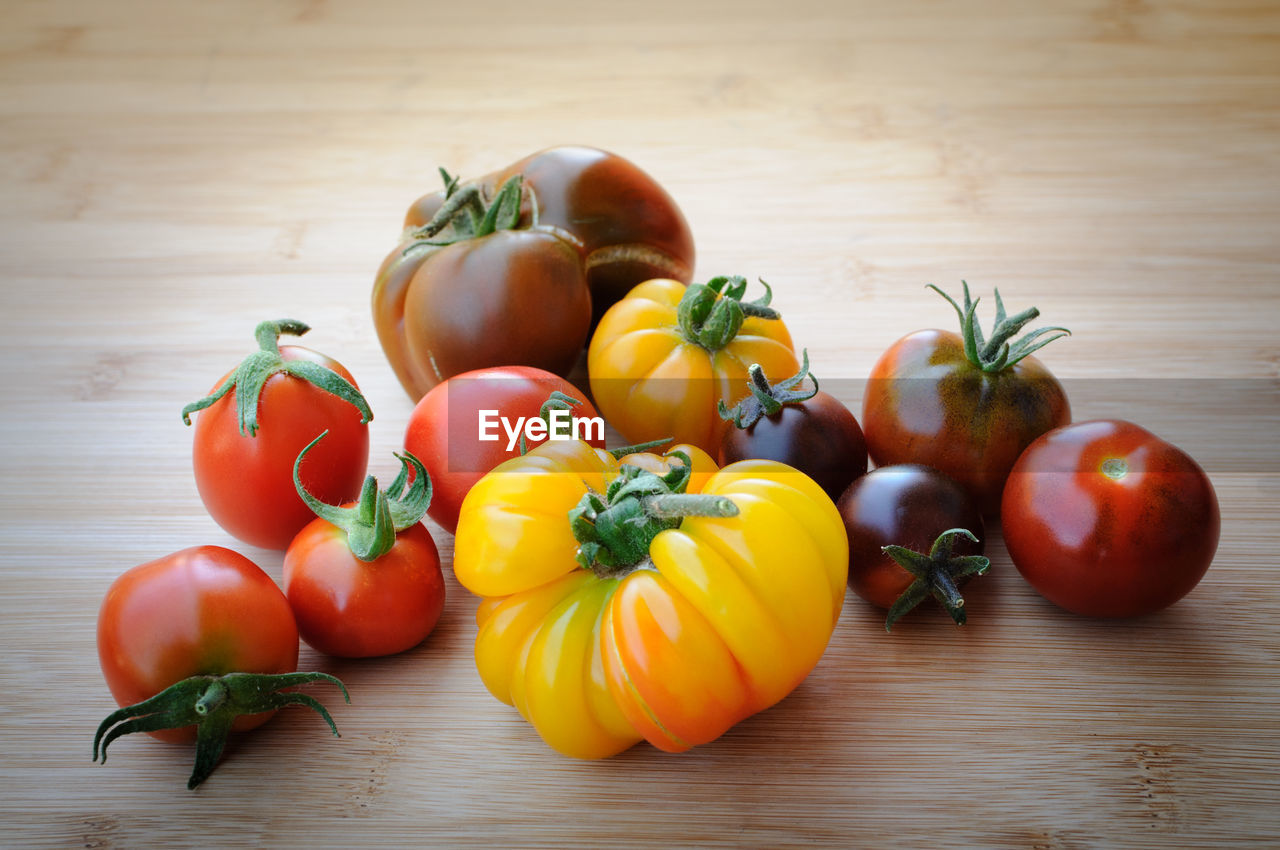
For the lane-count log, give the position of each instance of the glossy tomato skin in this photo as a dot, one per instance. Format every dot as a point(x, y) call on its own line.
point(443, 430)
point(630, 228)
point(512, 297)
point(353, 609)
point(907, 505)
point(201, 611)
point(246, 483)
point(926, 403)
point(651, 382)
point(1105, 519)
point(818, 436)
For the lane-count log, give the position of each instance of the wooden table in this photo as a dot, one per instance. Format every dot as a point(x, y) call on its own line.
point(173, 173)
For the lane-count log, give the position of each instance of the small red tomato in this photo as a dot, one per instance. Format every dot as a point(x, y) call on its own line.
point(444, 428)
point(255, 422)
point(365, 580)
point(1105, 519)
point(911, 508)
point(195, 645)
point(205, 610)
point(964, 405)
point(809, 430)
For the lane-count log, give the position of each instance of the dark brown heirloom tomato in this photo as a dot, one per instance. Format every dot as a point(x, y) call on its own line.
point(908, 506)
point(586, 227)
point(807, 429)
point(629, 227)
point(477, 293)
point(962, 404)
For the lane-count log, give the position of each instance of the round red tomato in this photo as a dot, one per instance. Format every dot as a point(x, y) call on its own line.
point(444, 428)
point(1107, 520)
point(961, 405)
point(201, 611)
point(357, 609)
point(243, 456)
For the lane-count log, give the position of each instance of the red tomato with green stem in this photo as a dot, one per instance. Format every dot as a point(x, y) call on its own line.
point(893, 516)
point(197, 644)
point(807, 429)
point(365, 580)
point(246, 441)
point(964, 405)
point(1106, 519)
point(444, 428)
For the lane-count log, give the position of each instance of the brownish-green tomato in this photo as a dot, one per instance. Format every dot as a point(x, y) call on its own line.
point(964, 405)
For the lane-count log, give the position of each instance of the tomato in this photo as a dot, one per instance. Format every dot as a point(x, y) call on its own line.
point(444, 428)
point(665, 357)
point(623, 605)
point(806, 429)
point(629, 227)
point(246, 440)
point(365, 580)
point(1106, 519)
point(179, 639)
point(910, 507)
point(515, 284)
point(961, 404)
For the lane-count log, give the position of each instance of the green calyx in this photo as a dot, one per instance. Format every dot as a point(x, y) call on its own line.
point(211, 704)
point(614, 530)
point(465, 215)
point(372, 523)
point(936, 575)
point(996, 353)
point(252, 374)
point(556, 401)
point(767, 399)
point(711, 314)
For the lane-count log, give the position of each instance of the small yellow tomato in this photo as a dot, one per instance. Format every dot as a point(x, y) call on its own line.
point(665, 356)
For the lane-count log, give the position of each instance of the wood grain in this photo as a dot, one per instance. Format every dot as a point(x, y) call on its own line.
point(175, 172)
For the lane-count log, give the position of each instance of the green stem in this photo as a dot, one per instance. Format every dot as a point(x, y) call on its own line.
point(711, 314)
point(211, 704)
point(614, 530)
point(465, 212)
point(936, 575)
point(998, 352)
point(372, 523)
point(251, 376)
point(767, 399)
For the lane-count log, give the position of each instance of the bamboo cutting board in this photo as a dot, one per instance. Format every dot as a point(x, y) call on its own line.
point(174, 173)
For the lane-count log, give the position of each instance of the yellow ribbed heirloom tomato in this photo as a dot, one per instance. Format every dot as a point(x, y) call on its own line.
point(665, 356)
point(647, 598)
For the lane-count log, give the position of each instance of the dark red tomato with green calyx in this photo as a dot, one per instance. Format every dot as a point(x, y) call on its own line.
point(199, 640)
point(364, 579)
point(913, 533)
point(807, 429)
point(629, 227)
point(964, 405)
point(444, 430)
point(1106, 519)
point(256, 421)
